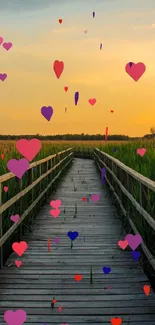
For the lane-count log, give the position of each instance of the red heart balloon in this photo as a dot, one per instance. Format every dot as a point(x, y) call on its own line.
point(78, 277)
point(65, 88)
point(116, 321)
point(60, 21)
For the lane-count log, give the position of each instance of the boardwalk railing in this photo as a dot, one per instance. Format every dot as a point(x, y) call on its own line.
point(35, 184)
point(136, 197)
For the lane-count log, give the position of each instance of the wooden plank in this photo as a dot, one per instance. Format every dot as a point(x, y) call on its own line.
point(59, 318)
point(88, 311)
point(78, 319)
point(105, 323)
point(69, 285)
point(61, 291)
point(59, 275)
point(70, 319)
point(73, 323)
point(85, 282)
point(69, 304)
point(77, 297)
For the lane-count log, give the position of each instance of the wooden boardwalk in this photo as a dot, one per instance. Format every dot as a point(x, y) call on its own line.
point(45, 275)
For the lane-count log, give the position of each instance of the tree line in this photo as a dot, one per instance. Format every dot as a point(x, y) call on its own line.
point(75, 137)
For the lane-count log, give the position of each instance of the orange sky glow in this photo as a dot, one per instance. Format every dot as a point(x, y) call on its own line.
point(127, 33)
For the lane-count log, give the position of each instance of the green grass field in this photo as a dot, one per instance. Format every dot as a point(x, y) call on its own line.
point(125, 152)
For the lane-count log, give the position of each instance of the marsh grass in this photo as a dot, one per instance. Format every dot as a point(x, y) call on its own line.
point(127, 153)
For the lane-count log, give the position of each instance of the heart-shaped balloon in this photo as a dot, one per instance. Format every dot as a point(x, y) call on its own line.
point(73, 235)
point(55, 213)
point(55, 204)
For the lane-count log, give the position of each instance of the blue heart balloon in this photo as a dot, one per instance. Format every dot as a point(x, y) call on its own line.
point(106, 270)
point(73, 235)
point(135, 255)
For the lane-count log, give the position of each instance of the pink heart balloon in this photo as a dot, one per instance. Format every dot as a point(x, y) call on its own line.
point(55, 213)
point(18, 263)
point(55, 204)
point(1, 40)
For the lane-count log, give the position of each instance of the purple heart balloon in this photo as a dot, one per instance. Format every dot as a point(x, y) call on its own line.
point(17, 317)
point(18, 167)
point(133, 241)
point(3, 76)
point(47, 112)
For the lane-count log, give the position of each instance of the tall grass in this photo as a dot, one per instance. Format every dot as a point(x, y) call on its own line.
point(10, 152)
point(127, 153)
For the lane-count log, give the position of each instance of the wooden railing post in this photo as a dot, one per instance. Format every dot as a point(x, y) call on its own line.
point(51, 165)
point(1, 227)
point(45, 174)
point(47, 178)
point(21, 208)
point(125, 179)
point(59, 162)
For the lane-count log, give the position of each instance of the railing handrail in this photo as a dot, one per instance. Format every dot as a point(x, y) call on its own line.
point(138, 207)
point(7, 176)
point(139, 177)
point(10, 202)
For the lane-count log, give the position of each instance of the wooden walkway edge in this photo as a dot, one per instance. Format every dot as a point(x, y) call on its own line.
point(46, 275)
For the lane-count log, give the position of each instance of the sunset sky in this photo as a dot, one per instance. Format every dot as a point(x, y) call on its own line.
point(126, 28)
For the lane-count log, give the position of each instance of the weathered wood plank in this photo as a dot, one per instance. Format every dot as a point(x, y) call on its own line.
point(105, 323)
point(84, 304)
point(84, 318)
point(88, 311)
point(70, 285)
point(61, 291)
point(85, 282)
point(86, 322)
point(77, 297)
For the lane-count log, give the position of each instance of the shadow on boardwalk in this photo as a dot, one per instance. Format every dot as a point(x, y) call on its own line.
point(45, 275)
